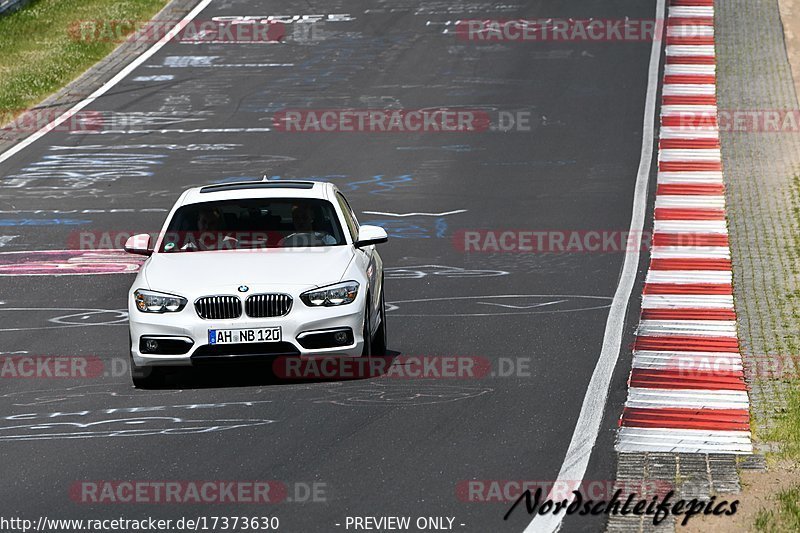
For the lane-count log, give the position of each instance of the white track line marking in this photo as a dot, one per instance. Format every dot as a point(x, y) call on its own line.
point(174, 131)
point(122, 74)
point(5, 239)
point(594, 402)
point(455, 212)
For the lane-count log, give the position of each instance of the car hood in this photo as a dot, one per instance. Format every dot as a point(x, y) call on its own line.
point(274, 269)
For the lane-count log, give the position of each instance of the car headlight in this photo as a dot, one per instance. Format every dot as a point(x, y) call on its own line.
point(339, 294)
point(157, 302)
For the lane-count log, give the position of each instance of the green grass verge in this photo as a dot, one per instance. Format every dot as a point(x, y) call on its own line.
point(785, 518)
point(39, 56)
point(787, 428)
point(783, 514)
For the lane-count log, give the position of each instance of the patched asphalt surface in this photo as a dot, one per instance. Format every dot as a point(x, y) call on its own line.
point(374, 447)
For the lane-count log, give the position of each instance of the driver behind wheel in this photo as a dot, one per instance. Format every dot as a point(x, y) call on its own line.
point(304, 234)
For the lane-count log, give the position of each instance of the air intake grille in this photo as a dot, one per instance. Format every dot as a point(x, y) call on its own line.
point(267, 305)
point(218, 307)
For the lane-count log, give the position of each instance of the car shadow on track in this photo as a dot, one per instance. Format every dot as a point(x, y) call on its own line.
point(278, 371)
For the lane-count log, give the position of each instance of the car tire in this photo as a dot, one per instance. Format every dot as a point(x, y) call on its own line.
point(146, 377)
point(379, 340)
point(366, 351)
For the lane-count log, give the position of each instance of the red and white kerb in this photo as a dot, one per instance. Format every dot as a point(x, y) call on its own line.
point(687, 391)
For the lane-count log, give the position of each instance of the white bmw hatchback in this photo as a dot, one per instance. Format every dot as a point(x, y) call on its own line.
point(256, 270)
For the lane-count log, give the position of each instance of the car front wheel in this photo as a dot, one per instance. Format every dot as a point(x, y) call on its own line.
point(146, 377)
point(366, 351)
point(379, 341)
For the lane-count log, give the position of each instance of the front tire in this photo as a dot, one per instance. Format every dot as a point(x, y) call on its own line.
point(366, 351)
point(379, 343)
point(146, 377)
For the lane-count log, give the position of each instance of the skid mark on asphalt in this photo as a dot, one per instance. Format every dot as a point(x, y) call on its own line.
point(378, 184)
point(41, 222)
point(5, 240)
point(64, 174)
point(423, 271)
point(167, 147)
point(516, 304)
point(142, 421)
point(21, 318)
point(401, 395)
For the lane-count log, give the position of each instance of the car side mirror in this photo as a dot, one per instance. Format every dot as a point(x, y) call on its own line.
point(138, 244)
point(368, 235)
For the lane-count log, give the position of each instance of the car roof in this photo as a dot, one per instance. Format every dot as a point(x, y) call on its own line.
point(259, 189)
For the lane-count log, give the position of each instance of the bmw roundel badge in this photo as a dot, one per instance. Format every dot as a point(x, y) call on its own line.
point(243, 288)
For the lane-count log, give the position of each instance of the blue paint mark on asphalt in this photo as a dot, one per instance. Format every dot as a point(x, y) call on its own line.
point(449, 148)
point(420, 228)
point(315, 178)
point(401, 229)
point(378, 184)
point(234, 179)
point(42, 222)
point(552, 163)
point(441, 227)
point(385, 184)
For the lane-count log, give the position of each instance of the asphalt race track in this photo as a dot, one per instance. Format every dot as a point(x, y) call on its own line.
point(203, 113)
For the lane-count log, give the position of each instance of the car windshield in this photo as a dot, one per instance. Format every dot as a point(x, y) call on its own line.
point(253, 223)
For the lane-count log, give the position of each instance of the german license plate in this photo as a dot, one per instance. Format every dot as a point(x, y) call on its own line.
point(244, 336)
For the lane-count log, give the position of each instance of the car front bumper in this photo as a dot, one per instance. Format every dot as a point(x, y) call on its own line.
point(187, 327)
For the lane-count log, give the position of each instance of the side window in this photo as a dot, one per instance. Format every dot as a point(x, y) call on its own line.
point(350, 210)
point(349, 217)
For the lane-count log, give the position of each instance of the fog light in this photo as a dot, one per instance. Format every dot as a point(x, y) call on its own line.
point(326, 338)
point(165, 345)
